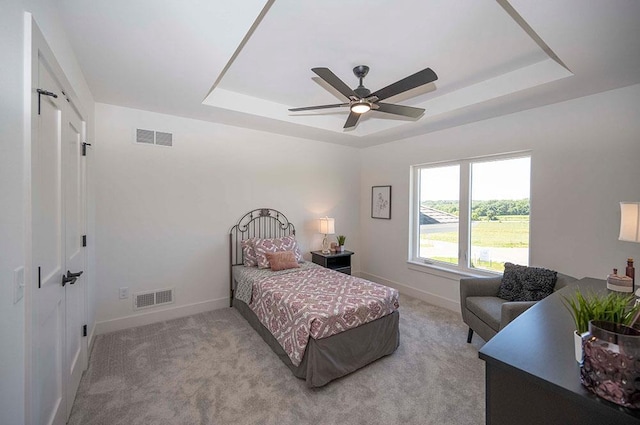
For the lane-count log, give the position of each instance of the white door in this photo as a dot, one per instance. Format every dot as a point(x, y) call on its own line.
point(59, 351)
point(73, 211)
point(49, 305)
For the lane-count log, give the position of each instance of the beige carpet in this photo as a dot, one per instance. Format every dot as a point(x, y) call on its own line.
point(212, 368)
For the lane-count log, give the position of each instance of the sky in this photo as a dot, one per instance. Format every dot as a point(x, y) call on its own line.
point(498, 179)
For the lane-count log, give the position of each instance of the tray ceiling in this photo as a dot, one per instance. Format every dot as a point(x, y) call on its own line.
point(245, 63)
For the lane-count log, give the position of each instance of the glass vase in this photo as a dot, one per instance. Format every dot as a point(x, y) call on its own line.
point(611, 365)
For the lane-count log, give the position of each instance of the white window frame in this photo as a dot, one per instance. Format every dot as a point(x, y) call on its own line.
point(464, 215)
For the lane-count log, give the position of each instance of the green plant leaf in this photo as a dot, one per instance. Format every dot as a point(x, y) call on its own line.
point(613, 307)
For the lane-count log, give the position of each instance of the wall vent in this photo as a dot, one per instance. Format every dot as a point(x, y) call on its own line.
point(150, 137)
point(164, 139)
point(145, 136)
point(154, 298)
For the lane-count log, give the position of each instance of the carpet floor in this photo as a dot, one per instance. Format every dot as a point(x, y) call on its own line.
point(213, 368)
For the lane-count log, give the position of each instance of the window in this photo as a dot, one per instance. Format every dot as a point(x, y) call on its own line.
point(472, 214)
point(439, 207)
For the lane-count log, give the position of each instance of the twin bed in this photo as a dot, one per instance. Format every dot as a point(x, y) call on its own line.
point(322, 324)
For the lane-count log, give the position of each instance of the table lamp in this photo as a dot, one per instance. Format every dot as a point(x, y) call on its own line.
point(630, 232)
point(629, 221)
point(327, 227)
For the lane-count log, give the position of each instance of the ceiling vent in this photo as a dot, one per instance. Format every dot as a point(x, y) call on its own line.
point(154, 298)
point(150, 137)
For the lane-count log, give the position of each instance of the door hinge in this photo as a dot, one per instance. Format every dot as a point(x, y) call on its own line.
point(84, 240)
point(84, 330)
point(44, 93)
point(84, 148)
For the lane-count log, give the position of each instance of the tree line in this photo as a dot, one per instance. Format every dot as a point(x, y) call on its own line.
point(488, 210)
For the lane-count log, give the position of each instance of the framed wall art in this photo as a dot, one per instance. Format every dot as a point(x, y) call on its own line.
point(381, 202)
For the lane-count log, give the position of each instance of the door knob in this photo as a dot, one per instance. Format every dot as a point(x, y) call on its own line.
point(69, 280)
point(72, 277)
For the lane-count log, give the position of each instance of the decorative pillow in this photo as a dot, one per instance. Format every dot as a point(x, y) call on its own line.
point(522, 283)
point(285, 243)
point(249, 253)
point(282, 260)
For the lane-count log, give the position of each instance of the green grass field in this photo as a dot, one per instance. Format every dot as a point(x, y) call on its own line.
point(485, 265)
point(500, 234)
point(513, 218)
point(507, 232)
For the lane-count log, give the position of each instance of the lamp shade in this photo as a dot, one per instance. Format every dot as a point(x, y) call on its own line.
point(630, 221)
point(327, 226)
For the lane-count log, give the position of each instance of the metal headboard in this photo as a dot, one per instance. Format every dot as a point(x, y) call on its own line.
point(264, 223)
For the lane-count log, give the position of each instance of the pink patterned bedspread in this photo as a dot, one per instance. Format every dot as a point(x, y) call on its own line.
point(317, 302)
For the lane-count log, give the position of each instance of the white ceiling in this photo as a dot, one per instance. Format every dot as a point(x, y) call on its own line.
point(245, 63)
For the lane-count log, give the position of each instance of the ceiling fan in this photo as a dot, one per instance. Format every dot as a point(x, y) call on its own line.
point(361, 99)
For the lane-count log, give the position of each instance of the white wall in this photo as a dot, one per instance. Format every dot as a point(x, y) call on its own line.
point(11, 210)
point(13, 172)
point(164, 214)
point(585, 160)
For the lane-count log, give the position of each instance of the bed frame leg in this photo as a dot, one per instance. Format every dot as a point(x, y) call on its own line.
point(469, 336)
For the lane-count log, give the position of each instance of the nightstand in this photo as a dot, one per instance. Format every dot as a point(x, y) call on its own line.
point(338, 261)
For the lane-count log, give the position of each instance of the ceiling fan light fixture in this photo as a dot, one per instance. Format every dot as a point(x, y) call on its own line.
point(361, 106)
point(361, 100)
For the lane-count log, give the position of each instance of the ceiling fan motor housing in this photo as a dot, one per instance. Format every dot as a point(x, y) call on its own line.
point(361, 71)
point(362, 91)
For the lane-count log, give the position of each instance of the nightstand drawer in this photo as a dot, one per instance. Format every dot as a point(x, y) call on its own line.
point(339, 261)
point(345, 270)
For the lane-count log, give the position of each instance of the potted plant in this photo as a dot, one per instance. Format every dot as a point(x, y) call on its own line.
point(613, 307)
point(341, 239)
point(607, 344)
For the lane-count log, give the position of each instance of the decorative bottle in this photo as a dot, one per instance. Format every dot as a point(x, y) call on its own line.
point(631, 272)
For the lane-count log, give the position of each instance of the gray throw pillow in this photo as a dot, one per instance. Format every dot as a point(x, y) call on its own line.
point(522, 283)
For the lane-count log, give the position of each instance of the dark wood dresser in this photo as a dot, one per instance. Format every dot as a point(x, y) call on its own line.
point(532, 377)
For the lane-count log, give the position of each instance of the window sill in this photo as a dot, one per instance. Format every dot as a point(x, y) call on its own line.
point(446, 272)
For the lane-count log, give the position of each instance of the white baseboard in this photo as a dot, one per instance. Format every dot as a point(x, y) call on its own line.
point(416, 293)
point(149, 317)
point(92, 338)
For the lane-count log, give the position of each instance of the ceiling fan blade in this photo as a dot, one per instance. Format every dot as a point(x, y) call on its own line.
point(335, 82)
point(407, 111)
point(416, 80)
point(352, 120)
point(311, 108)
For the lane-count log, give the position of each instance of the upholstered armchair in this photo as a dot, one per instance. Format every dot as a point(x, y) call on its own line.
point(484, 312)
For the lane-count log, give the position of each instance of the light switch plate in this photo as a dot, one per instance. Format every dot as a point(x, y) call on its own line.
point(18, 284)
